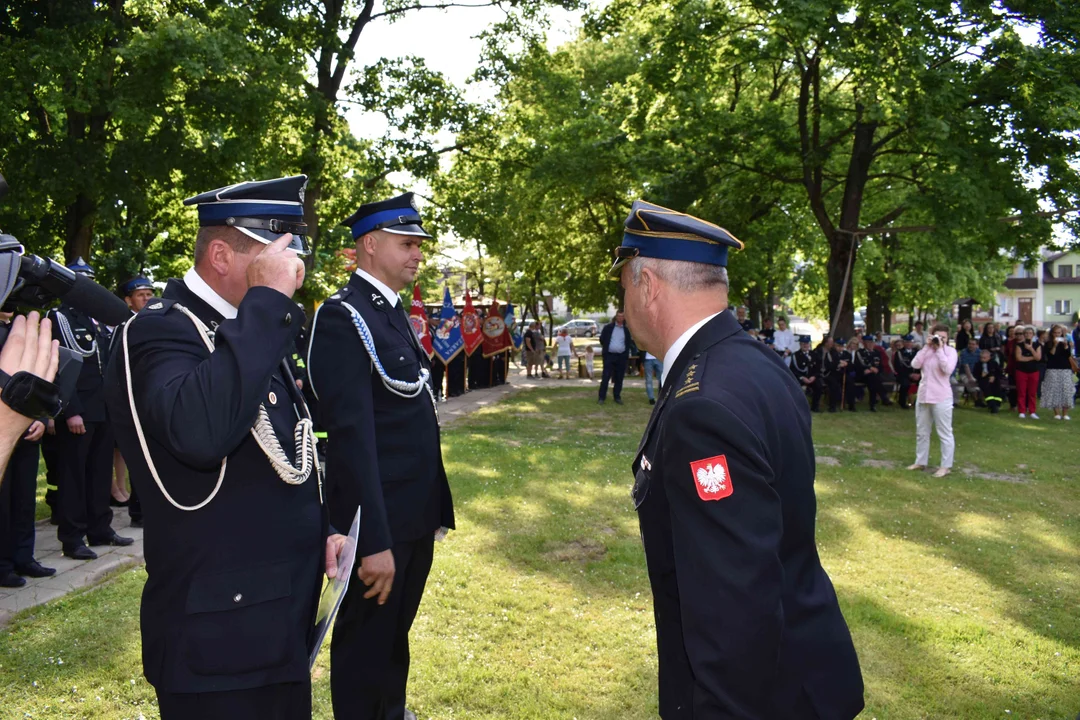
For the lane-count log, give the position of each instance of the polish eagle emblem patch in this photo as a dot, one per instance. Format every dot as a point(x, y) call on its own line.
point(712, 479)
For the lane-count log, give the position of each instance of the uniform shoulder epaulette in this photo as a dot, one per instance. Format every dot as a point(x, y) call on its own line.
point(691, 379)
point(340, 296)
point(159, 306)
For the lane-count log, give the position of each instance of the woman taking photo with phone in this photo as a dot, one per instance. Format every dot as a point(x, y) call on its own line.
point(1057, 387)
point(1027, 353)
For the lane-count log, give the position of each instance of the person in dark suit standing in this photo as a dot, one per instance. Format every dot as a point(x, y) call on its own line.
point(221, 450)
point(84, 438)
point(747, 622)
point(383, 455)
point(806, 367)
point(615, 345)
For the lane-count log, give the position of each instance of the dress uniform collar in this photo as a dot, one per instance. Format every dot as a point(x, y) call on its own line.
point(677, 347)
point(207, 294)
point(390, 295)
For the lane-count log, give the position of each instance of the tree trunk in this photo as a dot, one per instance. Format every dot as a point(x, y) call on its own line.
point(874, 306)
point(841, 255)
point(79, 219)
point(755, 305)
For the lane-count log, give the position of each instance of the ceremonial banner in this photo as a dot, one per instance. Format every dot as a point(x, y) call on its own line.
point(511, 326)
point(471, 332)
point(496, 337)
point(418, 320)
point(447, 341)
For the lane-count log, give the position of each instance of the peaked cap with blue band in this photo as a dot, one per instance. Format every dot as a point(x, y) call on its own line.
point(397, 215)
point(804, 339)
point(137, 283)
point(263, 210)
point(658, 232)
point(80, 266)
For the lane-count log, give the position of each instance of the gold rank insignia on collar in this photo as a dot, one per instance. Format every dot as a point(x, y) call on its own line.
point(690, 384)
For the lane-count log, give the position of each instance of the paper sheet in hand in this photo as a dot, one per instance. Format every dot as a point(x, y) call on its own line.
point(334, 592)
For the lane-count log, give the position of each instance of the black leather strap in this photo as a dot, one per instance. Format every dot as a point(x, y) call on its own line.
point(29, 395)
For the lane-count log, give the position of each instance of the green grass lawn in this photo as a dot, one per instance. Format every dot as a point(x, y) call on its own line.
point(962, 593)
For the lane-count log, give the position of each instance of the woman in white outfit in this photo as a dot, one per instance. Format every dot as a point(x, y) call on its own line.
point(934, 404)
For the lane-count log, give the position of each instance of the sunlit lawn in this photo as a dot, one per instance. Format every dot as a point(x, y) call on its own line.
point(962, 593)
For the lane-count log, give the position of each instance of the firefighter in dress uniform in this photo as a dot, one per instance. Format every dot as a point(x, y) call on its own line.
point(221, 451)
point(869, 367)
point(905, 372)
point(83, 450)
point(137, 292)
point(377, 405)
point(747, 622)
point(806, 366)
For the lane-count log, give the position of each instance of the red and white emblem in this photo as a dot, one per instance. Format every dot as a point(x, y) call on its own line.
point(711, 478)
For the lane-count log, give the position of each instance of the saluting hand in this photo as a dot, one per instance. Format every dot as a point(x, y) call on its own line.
point(277, 267)
point(377, 572)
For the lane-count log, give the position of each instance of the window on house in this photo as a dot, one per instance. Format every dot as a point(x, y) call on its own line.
point(1065, 271)
point(1003, 307)
point(1063, 307)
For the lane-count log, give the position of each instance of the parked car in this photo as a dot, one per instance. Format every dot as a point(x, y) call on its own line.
point(580, 328)
point(859, 323)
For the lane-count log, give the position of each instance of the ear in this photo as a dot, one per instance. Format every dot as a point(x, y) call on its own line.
point(367, 244)
point(220, 256)
point(650, 286)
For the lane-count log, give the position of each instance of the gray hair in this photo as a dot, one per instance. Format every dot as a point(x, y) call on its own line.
point(684, 276)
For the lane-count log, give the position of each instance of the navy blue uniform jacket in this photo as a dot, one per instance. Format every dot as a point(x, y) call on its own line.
point(383, 450)
point(747, 622)
point(88, 400)
point(229, 601)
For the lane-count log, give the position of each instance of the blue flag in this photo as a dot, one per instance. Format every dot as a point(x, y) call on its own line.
point(511, 325)
point(447, 340)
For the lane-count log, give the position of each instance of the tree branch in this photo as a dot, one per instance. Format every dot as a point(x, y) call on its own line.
point(440, 6)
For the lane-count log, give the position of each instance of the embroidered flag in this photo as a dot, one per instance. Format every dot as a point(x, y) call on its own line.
point(471, 332)
point(712, 478)
point(447, 341)
point(511, 325)
point(418, 320)
point(496, 338)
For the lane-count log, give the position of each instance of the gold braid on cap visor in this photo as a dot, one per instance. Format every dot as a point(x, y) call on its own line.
point(682, 236)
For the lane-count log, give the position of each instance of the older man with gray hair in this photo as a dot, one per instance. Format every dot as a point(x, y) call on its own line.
point(747, 622)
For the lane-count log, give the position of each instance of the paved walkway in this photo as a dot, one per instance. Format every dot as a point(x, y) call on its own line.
point(75, 574)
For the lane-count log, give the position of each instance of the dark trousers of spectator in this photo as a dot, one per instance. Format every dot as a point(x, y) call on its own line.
point(284, 701)
point(874, 388)
point(614, 369)
point(50, 454)
point(832, 384)
point(455, 376)
point(1012, 390)
point(815, 389)
point(18, 496)
point(903, 384)
point(438, 370)
point(85, 483)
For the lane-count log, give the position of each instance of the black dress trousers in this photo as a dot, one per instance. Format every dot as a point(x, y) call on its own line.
point(86, 483)
point(283, 701)
point(18, 496)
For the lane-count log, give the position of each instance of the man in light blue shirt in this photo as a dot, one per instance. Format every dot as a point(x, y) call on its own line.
point(615, 344)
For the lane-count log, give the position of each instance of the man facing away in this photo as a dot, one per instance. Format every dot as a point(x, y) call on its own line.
point(747, 622)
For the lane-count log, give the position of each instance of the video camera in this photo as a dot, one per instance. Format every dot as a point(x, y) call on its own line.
point(35, 282)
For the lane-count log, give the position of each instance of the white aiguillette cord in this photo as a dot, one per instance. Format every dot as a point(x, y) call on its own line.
point(263, 432)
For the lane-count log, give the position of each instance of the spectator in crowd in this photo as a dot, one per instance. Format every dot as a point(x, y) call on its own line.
point(850, 373)
point(564, 351)
point(920, 337)
point(806, 367)
point(530, 344)
point(965, 369)
point(991, 341)
point(965, 333)
point(653, 367)
point(590, 361)
point(784, 340)
point(752, 332)
point(895, 346)
point(615, 345)
point(906, 373)
point(828, 356)
point(744, 323)
point(1057, 387)
point(1076, 337)
point(767, 330)
point(1043, 336)
point(988, 375)
point(868, 363)
point(1016, 336)
point(933, 406)
point(1027, 353)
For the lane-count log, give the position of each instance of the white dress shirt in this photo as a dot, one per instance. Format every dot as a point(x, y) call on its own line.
point(391, 296)
point(785, 340)
point(677, 347)
point(207, 294)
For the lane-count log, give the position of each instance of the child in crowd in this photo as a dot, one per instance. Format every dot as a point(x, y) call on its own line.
point(987, 374)
point(589, 362)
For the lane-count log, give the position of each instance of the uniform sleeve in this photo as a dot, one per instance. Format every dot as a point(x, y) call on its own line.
point(72, 403)
point(340, 372)
point(727, 556)
point(200, 407)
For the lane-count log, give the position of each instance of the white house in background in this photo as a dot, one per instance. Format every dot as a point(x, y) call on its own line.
point(1042, 295)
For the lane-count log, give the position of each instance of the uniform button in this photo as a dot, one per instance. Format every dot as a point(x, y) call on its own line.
point(401, 358)
point(237, 597)
point(288, 318)
point(273, 398)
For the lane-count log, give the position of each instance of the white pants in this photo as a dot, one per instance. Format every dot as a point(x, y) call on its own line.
point(940, 415)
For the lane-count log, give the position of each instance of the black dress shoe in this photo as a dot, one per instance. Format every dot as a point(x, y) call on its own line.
point(79, 552)
point(12, 580)
point(652, 401)
point(34, 569)
point(113, 502)
point(618, 401)
point(114, 540)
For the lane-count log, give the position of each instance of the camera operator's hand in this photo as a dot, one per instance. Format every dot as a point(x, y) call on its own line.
point(50, 427)
point(76, 425)
point(37, 429)
point(29, 348)
point(277, 267)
